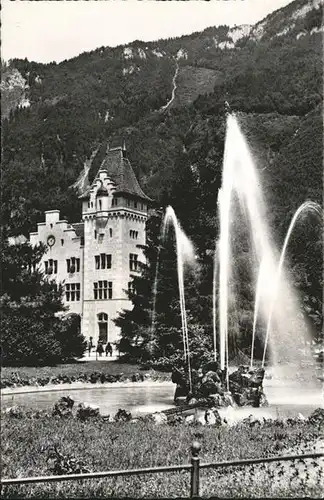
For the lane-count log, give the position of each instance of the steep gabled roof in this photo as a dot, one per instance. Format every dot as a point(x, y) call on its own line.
point(120, 171)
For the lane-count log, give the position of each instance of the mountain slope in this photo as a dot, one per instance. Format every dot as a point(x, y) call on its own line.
point(271, 73)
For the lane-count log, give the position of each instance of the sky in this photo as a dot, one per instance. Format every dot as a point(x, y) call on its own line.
point(46, 31)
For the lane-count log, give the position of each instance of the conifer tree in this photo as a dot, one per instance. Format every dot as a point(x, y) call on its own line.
point(32, 333)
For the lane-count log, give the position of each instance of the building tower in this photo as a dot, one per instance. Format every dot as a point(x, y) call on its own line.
point(114, 211)
point(95, 259)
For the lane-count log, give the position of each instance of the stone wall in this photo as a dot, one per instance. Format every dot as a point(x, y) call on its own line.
point(66, 244)
point(109, 235)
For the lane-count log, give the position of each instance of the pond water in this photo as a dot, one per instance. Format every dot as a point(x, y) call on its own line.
point(137, 399)
point(284, 400)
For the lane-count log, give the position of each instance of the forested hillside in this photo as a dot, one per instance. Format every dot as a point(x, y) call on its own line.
point(55, 115)
point(166, 100)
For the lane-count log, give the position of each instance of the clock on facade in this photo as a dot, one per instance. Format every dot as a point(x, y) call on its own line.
point(51, 240)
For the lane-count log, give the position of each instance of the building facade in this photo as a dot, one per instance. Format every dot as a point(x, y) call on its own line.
point(95, 259)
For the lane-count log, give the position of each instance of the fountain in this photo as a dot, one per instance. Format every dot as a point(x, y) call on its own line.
point(185, 255)
point(256, 310)
point(276, 304)
point(210, 384)
point(308, 206)
point(215, 269)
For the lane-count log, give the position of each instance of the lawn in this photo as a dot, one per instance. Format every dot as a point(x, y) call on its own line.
point(101, 445)
point(80, 370)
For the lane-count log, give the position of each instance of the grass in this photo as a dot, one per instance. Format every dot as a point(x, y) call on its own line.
point(75, 370)
point(106, 446)
point(193, 81)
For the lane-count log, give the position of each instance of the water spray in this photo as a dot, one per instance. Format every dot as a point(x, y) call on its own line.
point(215, 268)
point(256, 307)
point(241, 191)
point(185, 253)
point(306, 206)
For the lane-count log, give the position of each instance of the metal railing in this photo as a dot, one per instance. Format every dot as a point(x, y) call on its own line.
point(194, 469)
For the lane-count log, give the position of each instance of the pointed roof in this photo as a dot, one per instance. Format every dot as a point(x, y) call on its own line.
point(120, 171)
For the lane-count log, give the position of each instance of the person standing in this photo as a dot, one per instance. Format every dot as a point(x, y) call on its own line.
point(100, 349)
point(109, 349)
point(90, 345)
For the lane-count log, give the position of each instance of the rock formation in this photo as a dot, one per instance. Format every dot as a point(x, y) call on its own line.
point(85, 411)
point(123, 416)
point(63, 408)
point(209, 387)
point(245, 384)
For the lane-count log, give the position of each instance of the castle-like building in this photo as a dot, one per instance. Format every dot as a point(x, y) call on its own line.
point(96, 258)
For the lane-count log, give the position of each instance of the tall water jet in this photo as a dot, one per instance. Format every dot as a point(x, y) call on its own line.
point(155, 286)
point(307, 206)
point(241, 194)
point(224, 205)
point(256, 309)
point(185, 255)
point(215, 269)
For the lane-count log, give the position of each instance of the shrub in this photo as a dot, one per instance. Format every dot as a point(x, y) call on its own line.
point(27, 342)
point(31, 332)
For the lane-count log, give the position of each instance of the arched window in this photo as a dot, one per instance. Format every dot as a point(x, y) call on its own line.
point(103, 327)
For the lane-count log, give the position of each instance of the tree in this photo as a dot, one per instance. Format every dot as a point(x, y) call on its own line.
point(136, 323)
point(32, 333)
point(156, 336)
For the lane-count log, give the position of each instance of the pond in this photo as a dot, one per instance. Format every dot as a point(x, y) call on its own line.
point(139, 398)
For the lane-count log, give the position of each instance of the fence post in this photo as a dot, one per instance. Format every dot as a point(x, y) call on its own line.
point(194, 486)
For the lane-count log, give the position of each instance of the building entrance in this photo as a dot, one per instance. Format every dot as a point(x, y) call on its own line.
point(103, 328)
